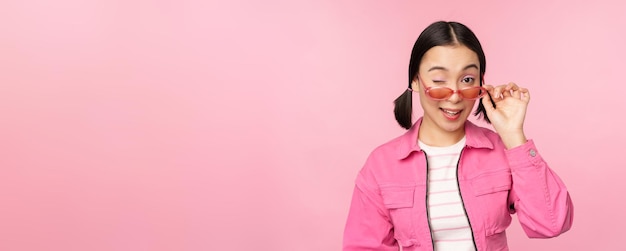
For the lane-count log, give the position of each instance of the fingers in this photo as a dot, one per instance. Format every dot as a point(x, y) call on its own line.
point(497, 92)
point(487, 103)
point(525, 95)
point(511, 87)
point(509, 90)
point(518, 92)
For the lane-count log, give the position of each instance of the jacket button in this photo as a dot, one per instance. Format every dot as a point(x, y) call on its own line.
point(533, 153)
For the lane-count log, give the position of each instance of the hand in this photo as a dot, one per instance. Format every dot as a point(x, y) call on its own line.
point(508, 115)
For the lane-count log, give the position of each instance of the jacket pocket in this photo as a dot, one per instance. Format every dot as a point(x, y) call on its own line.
point(399, 200)
point(408, 244)
point(492, 182)
point(398, 196)
point(491, 190)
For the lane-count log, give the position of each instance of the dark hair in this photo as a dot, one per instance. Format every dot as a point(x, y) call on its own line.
point(436, 34)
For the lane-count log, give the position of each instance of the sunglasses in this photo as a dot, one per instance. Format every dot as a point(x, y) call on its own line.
point(443, 93)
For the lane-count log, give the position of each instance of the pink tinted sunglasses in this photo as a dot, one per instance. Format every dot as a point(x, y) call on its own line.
point(443, 93)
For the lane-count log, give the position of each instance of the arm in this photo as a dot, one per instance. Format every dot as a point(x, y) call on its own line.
point(368, 226)
point(538, 195)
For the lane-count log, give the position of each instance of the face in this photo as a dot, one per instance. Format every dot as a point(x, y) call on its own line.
point(455, 67)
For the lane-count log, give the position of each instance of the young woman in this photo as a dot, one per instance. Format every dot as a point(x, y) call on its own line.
point(447, 184)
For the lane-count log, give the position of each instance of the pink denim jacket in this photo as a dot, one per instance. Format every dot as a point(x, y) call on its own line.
point(388, 210)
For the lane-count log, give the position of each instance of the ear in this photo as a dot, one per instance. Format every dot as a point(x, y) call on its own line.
point(415, 85)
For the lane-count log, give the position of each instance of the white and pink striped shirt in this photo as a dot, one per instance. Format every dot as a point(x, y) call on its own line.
point(448, 222)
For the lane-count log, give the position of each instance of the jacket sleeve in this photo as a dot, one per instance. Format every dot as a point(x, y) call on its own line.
point(368, 226)
point(538, 195)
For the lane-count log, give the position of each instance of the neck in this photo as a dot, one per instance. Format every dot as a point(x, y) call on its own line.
point(433, 135)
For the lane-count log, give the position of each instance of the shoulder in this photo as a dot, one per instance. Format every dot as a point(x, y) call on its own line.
point(390, 154)
point(383, 165)
point(389, 150)
point(489, 134)
point(479, 136)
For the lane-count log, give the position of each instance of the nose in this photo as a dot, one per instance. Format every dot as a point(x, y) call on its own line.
point(456, 97)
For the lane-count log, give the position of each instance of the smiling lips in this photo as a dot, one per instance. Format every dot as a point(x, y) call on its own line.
point(451, 114)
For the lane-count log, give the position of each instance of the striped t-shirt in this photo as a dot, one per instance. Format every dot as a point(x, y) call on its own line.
point(448, 222)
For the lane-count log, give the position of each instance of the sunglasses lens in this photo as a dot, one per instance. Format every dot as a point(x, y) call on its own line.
point(472, 93)
point(440, 93)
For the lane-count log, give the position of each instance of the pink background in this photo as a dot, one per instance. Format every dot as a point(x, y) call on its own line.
point(241, 125)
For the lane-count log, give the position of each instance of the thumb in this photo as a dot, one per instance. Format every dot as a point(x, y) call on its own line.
point(488, 103)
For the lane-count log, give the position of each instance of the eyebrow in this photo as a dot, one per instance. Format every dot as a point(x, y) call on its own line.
point(445, 69)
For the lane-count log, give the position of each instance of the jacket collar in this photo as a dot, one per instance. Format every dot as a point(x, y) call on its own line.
point(474, 137)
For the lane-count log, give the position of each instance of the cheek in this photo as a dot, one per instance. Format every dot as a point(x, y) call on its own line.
point(427, 103)
point(470, 103)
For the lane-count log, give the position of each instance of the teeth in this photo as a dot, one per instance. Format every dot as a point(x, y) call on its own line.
point(451, 112)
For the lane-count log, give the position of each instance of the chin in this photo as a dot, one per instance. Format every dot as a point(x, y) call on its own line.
point(453, 128)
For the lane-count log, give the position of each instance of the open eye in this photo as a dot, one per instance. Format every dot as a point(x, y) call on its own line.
point(468, 80)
